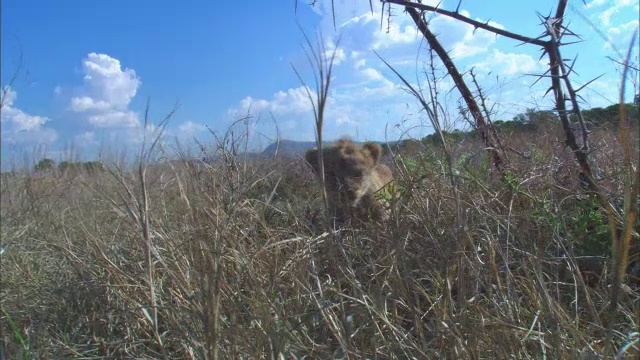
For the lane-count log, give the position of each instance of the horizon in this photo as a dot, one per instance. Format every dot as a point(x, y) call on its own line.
point(82, 85)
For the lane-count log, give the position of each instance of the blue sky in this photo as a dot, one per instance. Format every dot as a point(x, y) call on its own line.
point(86, 69)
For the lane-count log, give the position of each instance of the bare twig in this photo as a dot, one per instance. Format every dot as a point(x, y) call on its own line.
point(14, 77)
point(318, 61)
point(487, 113)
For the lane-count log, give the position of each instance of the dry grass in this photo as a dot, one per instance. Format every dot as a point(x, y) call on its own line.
point(236, 264)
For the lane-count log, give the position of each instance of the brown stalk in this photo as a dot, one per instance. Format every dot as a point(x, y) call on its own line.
point(622, 244)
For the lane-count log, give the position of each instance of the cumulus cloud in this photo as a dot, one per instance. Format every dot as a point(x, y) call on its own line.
point(595, 3)
point(363, 32)
point(624, 30)
point(615, 7)
point(372, 74)
point(350, 108)
point(509, 63)
point(338, 54)
point(85, 103)
point(472, 44)
point(114, 118)
point(21, 127)
point(189, 129)
point(462, 39)
point(291, 101)
point(356, 11)
point(86, 139)
point(619, 36)
point(136, 135)
point(395, 34)
point(364, 98)
point(106, 93)
point(373, 91)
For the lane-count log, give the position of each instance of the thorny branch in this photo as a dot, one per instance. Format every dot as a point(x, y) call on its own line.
point(557, 70)
point(487, 112)
point(474, 109)
point(475, 23)
point(559, 74)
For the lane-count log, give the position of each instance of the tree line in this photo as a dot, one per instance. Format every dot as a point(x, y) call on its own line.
point(70, 167)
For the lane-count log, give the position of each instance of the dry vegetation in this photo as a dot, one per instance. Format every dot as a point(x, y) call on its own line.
point(235, 260)
point(232, 261)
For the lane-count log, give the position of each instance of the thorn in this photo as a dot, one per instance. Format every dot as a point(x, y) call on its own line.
point(590, 81)
point(570, 43)
point(546, 92)
point(581, 98)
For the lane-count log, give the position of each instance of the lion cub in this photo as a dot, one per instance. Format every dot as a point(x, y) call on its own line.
point(353, 175)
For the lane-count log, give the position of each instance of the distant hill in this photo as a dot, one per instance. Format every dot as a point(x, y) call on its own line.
point(289, 148)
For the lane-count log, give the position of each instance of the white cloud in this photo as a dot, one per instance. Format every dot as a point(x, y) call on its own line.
point(190, 129)
point(509, 63)
point(360, 63)
point(472, 44)
point(348, 115)
point(355, 12)
point(364, 32)
point(351, 107)
point(463, 39)
point(292, 101)
point(625, 30)
point(596, 3)
point(338, 54)
point(362, 19)
point(136, 135)
point(107, 92)
point(620, 36)
point(363, 98)
point(361, 27)
point(372, 74)
point(606, 15)
point(86, 139)
point(395, 33)
point(85, 103)
point(21, 127)
point(386, 89)
point(114, 118)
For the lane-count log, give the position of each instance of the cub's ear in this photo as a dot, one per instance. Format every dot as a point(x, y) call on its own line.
point(374, 150)
point(311, 156)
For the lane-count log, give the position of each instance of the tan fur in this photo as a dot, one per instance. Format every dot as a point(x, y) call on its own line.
point(353, 174)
